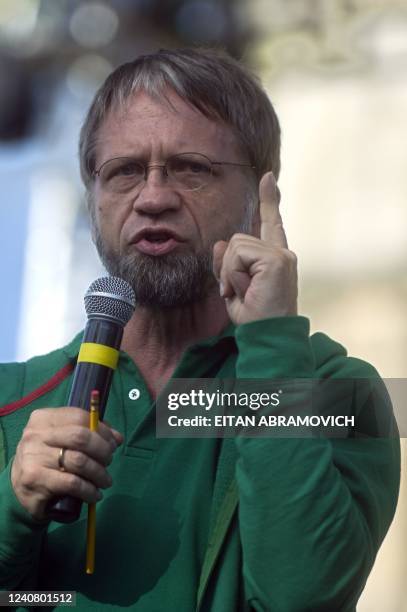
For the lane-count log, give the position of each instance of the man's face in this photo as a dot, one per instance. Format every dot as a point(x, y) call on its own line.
point(158, 236)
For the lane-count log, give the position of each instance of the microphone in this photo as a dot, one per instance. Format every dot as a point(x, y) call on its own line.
point(109, 304)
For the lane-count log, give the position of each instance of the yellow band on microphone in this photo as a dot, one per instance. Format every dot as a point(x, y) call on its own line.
point(91, 352)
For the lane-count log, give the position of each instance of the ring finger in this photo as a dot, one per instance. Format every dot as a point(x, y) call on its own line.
point(82, 465)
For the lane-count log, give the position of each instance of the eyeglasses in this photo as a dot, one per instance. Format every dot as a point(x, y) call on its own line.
point(186, 171)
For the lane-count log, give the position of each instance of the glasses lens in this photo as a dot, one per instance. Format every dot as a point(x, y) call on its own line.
point(121, 175)
point(189, 170)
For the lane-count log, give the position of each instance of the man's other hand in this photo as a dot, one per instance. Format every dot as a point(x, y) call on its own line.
point(36, 476)
point(258, 276)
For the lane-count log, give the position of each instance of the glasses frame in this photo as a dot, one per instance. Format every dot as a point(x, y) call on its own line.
point(147, 167)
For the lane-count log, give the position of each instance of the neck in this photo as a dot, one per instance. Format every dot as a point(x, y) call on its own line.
point(156, 339)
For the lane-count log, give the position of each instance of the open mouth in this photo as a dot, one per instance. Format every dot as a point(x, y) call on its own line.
point(156, 242)
point(159, 238)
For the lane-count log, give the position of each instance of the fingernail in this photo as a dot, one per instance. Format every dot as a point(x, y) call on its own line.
point(221, 289)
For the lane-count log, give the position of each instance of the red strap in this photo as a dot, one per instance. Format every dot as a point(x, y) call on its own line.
point(50, 384)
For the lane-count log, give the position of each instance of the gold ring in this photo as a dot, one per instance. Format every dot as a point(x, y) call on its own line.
point(61, 463)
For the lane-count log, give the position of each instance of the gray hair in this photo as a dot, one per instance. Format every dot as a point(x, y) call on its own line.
point(210, 80)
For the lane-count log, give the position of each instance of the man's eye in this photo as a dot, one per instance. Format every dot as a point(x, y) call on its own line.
point(129, 169)
point(185, 166)
point(122, 169)
point(197, 168)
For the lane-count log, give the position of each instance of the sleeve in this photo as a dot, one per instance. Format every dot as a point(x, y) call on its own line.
point(312, 511)
point(20, 539)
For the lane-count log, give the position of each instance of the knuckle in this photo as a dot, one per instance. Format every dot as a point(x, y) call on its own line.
point(284, 258)
point(234, 241)
point(232, 250)
point(25, 440)
point(30, 475)
point(79, 415)
point(280, 260)
point(34, 417)
point(292, 256)
point(79, 437)
point(78, 460)
point(28, 436)
point(73, 483)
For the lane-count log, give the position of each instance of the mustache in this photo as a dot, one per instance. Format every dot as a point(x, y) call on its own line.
point(164, 282)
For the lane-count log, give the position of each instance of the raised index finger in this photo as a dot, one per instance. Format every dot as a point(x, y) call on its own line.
point(271, 224)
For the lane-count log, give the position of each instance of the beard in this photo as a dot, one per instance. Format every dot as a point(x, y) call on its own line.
point(172, 280)
point(168, 281)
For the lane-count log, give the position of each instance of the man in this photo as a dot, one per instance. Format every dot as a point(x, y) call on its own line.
point(180, 156)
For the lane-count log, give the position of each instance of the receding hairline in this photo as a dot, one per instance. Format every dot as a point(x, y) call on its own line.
point(211, 81)
point(119, 110)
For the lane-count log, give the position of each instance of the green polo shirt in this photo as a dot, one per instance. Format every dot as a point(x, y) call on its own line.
point(319, 502)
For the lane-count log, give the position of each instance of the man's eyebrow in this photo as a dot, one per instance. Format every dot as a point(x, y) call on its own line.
point(138, 153)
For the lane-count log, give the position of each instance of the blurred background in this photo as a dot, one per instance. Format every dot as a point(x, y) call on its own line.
point(336, 73)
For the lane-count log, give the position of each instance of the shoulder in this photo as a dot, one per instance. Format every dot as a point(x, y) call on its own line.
point(24, 387)
point(348, 381)
point(332, 360)
point(22, 383)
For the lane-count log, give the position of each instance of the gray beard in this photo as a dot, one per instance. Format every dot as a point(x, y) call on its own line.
point(169, 281)
point(173, 280)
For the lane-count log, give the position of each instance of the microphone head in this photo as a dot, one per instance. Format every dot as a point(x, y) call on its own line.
point(112, 298)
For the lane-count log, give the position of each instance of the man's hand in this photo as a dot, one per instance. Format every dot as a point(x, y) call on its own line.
point(258, 277)
point(35, 474)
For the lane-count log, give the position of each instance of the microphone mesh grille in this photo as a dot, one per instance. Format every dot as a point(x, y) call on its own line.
point(118, 304)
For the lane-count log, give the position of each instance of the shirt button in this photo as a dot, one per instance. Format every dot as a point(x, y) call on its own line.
point(134, 394)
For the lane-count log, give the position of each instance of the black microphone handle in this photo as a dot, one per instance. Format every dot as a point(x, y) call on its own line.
point(87, 377)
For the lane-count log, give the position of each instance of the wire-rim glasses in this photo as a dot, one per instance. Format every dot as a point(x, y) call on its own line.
point(186, 171)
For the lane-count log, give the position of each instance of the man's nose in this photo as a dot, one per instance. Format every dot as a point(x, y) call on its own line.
point(156, 194)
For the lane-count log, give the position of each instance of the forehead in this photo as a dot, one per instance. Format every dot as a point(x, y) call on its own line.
point(166, 126)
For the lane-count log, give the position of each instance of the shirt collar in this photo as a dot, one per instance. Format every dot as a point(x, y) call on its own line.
point(71, 350)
